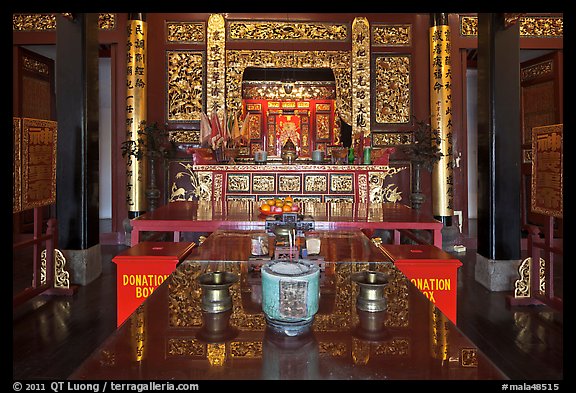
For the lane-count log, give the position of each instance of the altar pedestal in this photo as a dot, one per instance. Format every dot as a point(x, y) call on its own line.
point(433, 271)
point(141, 269)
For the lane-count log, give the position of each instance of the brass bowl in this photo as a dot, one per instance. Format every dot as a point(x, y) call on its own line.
point(289, 156)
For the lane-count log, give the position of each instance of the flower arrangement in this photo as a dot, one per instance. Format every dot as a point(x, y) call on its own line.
point(424, 150)
point(152, 140)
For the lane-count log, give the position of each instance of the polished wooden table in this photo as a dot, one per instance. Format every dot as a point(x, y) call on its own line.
point(194, 216)
point(169, 338)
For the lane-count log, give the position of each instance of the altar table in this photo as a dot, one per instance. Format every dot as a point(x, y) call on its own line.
point(201, 216)
point(169, 337)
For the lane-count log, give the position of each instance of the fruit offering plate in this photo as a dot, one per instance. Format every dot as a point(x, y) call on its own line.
point(268, 212)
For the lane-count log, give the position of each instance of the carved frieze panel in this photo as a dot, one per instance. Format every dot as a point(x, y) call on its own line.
point(238, 182)
point(185, 32)
point(184, 136)
point(264, 183)
point(286, 31)
point(342, 183)
point(184, 93)
point(544, 68)
point(392, 138)
point(289, 183)
point(530, 26)
point(393, 102)
point(47, 22)
point(391, 34)
point(315, 183)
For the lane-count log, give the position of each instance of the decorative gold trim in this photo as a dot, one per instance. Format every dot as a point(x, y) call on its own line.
point(522, 285)
point(200, 182)
point(393, 89)
point(362, 188)
point(17, 165)
point(246, 349)
point(216, 67)
point(38, 158)
point(530, 26)
point(61, 276)
point(136, 110)
point(379, 193)
point(392, 138)
point(469, 357)
point(36, 66)
point(138, 333)
point(384, 34)
point(304, 90)
point(468, 25)
point(289, 183)
point(542, 27)
point(184, 136)
point(537, 70)
point(47, 22)
point(360, 78)
point(441, 119)
point(185, 32)
point(185, 347)
point(184, 91)
point(273, 31)
point(547, 191)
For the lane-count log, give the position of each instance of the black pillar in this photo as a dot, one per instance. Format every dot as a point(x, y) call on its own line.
point(77, 178)
point(499, 140)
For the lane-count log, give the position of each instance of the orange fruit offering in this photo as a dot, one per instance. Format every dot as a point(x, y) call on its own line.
point(287, 208)
point(288, 199)
point(271, 202)
point(265, 207)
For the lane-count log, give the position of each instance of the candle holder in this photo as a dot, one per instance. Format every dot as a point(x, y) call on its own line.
point(216, 327)
point(371, 296)
point(371, 326)
point(216, 291)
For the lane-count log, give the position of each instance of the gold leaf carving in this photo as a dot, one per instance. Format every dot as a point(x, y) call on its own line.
point(184, 85)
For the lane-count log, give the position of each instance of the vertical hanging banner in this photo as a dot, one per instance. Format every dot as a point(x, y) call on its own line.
point(360, 78)
point(547, 192)
point(136, 107)
point(441, 116)
point(35, 171)
point(216, 70)
point(16, 164)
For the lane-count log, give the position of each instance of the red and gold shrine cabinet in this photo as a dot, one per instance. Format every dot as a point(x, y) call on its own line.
point(305, 182)
point(141, 269)
point(433, 271)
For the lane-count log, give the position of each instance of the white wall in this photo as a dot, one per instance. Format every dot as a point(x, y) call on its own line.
point(105, 137)
point(472, 120)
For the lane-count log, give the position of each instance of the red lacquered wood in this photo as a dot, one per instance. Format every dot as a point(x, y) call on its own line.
point(141, 269)
point(193, 216)
point(156, 251)
point(167, 338)
point(432, 270)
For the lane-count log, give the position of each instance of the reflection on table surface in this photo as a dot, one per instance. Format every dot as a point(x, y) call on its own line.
point(170, 337)
point(248, 210)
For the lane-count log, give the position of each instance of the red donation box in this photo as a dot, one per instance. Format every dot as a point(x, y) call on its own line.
point(141, 269)
point(433, 271)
